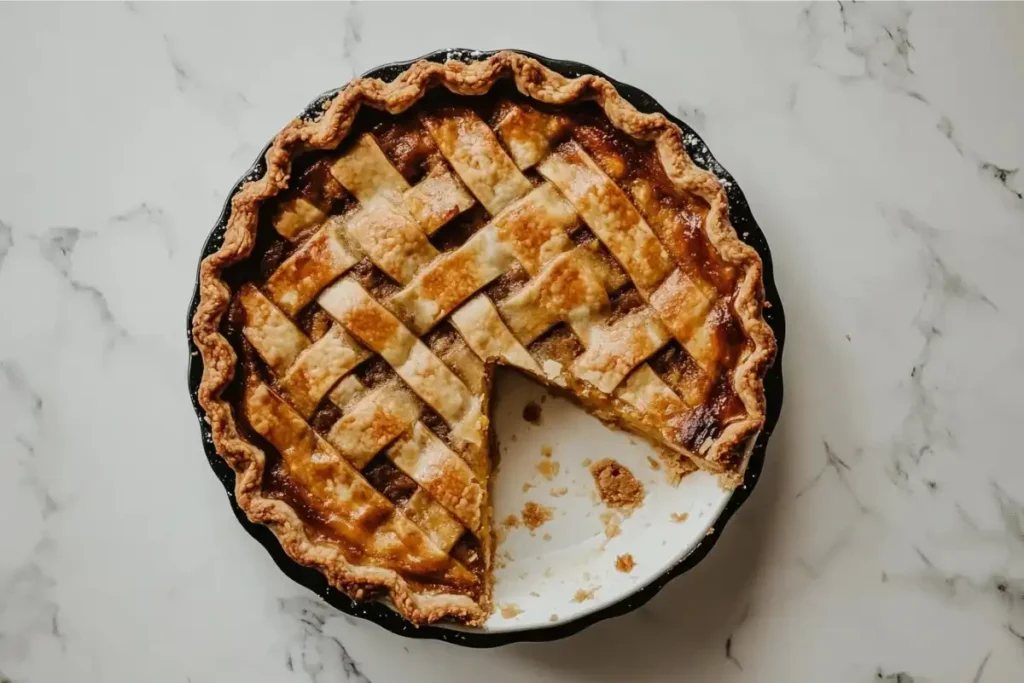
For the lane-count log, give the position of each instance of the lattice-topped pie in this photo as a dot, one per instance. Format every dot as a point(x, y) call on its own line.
point(417, 234)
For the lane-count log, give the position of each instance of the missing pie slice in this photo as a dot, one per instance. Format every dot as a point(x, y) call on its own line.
point(417, 234)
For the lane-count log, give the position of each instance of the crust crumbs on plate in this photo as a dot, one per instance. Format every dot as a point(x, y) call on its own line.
point(548, 468)
point(611, 521)
point(510, 610)
point(535, 514)
point(617, 486)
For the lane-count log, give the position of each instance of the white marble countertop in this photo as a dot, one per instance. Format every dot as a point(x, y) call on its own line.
point(878, 147)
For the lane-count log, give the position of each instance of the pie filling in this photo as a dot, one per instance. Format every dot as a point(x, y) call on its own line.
point(397, 270)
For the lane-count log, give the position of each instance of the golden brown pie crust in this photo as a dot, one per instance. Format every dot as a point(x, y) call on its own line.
point(542, 85)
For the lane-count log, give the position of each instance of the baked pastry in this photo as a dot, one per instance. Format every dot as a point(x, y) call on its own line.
point(413, 236)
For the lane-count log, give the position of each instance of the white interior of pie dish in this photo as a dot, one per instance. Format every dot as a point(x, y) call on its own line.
point(540, 572)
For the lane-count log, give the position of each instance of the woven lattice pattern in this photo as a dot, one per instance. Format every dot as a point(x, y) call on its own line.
point(605, 280)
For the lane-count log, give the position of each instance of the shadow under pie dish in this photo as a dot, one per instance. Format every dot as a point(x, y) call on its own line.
point(412, 236)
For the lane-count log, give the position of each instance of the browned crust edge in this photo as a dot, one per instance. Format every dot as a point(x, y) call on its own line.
point(540, 83)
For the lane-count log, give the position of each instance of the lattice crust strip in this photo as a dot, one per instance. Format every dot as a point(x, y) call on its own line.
point(530, 231)
point(350, 304)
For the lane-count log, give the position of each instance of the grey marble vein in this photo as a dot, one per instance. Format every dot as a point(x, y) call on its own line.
point(6, 241)
point(981, 668)
point(57, 246)
point(841, 470)
point(352, 37)
point(922, 431)
point(815, 568)
point(192, 81)
point(26, 590)
point(16, 384)
point(146, 214)
point(876, 35)
point(48, 504)
point(1005, 591)
point(899, 677)
point(1018, 635)
point(1011, 512)
point(322, 656)
point(27, 608)
point(1003, 177)
point(730, 655)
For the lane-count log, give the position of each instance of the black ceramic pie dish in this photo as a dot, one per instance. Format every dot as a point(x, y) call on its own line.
point(746, 227)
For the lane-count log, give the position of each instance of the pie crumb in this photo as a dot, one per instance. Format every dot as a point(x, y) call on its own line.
point(531, 412)
point(535, 514)
point(547, 572)
point(504, 555)
point(553, 618)
point(611, 523)
point(586, 462)
point(617, 486)
point(679, 516)
point(510, 522)
point(510, 611)
point(559, 492)
point(624, 563)
point(655, 465)
point(535, 594)
point(546, 537)
point(527, 486)
point(582, 595)
point(546, 451)
point(548, 468)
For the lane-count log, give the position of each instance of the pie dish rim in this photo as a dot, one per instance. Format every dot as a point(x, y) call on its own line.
point(386, 616)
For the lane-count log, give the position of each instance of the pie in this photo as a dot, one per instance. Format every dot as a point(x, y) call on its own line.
point(412, 236)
